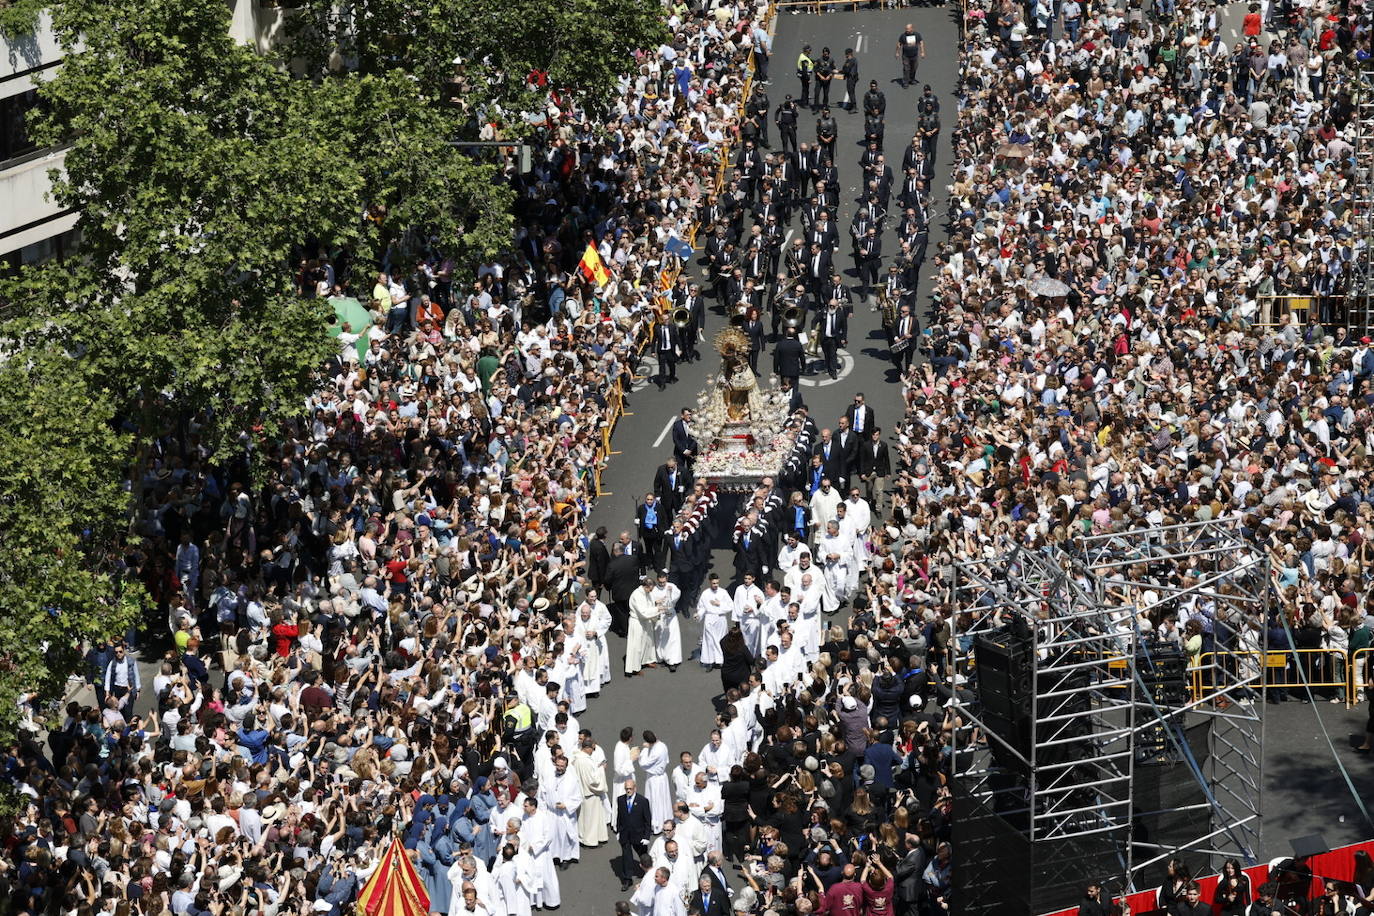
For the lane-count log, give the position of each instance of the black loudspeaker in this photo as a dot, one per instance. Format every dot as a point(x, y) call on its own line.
point(1163, 790)
point(1004, 663)
point(1163, 670)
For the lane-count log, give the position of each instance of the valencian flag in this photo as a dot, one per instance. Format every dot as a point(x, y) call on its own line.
point(395, 889)
point(593, 268)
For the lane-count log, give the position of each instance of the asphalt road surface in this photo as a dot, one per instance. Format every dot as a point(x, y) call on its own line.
point(677, 706)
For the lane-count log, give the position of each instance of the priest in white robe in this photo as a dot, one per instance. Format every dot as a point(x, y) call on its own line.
point(653, 760)
point(593, 622)
point(536, 838)
point(561, 799)
point(682, 869)
point(748, 612)
point(591, 777)
point(469, 870)
point(514, 880)
point(836, 551)
point(641, 644)
point(713, 610)
point(706, 806)
point(669, 632)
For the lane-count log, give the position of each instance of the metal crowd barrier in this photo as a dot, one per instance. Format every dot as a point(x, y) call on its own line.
point(1321, 669)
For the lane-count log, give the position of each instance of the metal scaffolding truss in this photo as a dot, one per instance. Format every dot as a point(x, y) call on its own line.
point(1067, 781)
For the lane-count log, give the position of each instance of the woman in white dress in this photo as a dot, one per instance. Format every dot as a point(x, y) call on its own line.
point(653, 760)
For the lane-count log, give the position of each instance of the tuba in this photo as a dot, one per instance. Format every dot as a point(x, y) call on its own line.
point(792, 317)
point(887, 307)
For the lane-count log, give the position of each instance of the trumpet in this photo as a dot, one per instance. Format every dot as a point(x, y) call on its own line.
point(682, 317)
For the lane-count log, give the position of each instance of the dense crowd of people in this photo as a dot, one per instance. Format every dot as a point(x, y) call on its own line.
point(392, 629)
point(380, 624)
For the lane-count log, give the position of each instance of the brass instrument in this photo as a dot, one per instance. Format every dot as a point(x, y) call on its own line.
point(887, 307)
point(813, 344)
point(792, 317)
point(682, 317)
point(739, 319)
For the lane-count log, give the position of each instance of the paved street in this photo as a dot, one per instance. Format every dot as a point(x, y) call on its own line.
point(678, 706)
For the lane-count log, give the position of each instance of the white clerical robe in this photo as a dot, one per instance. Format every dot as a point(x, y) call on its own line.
point(514, 885)
point(568, 671)
point(668, 635)
point(596, 657)
point(837, 559)
point(823, 507)
point(706, 807)
point(565, 790)
point(654, 762)
point(668, 900)
point(641, 643)
point(622, 768)
point(591, 817)
point(683, 780)
point(536, 840)
point(748, 602)
point(682, 870)
point(643, 899)
point(481, 882)
point(713, 610)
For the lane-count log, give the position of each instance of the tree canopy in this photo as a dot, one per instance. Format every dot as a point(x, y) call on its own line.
point(481, 52)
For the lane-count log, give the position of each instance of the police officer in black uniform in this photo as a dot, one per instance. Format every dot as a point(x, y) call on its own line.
point(850, 71)
point(786, 120)
point(825, 75)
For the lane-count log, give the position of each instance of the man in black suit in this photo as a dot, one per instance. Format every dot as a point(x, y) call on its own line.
point(652, 522)
point(833, 329)
point(860, 416)
point(817, 269)
point(905, 331)
point(667, 347)
point(849, 448)
point(670, 486)
point(831, 455)
point(874, 467)
point(634, 829)
point(789, 358)
point(707, 901)
point(715, 870)
point(598, 558)
point(622, 578)
point(754, 330)
point(790, 391)
point(685, 445)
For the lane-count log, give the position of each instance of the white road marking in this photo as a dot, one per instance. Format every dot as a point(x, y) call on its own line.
point(859, 44)
point(666, 429)
point(846, 367)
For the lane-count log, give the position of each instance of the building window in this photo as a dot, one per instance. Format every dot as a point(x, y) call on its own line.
point(14, 132)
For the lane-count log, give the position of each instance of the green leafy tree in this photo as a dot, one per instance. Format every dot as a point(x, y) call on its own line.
point(194, 166)
point(479, 53)
point(61, 463)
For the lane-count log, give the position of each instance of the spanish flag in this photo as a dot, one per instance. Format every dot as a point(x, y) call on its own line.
point(593, 268)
